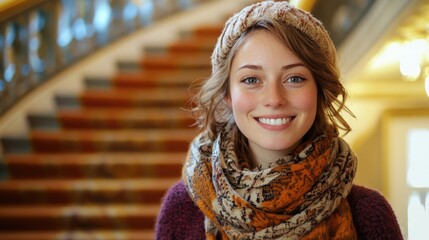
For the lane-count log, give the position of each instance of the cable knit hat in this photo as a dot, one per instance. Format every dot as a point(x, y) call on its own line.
point(281, 11)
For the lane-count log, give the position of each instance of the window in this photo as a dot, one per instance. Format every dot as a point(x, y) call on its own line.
point(418, 184)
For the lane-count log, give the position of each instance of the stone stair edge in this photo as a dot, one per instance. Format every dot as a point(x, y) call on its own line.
point(102, 184)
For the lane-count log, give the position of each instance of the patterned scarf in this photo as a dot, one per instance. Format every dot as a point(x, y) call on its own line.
point(301, 196)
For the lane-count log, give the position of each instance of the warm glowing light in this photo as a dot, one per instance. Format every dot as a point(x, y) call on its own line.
point(412, 56)
point(295, 2)
point(410, 68)
point(306, 5)
point(427, 85)
point(388, 56)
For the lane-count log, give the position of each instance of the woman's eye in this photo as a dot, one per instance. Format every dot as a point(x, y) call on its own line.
point(250, 80)
point(295, 79)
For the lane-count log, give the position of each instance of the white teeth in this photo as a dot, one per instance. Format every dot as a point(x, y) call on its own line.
point(274, 121)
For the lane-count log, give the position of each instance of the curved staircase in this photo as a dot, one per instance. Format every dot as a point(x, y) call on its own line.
point(99, 166)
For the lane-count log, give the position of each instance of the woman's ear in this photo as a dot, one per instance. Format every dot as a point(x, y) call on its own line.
point(228, 100)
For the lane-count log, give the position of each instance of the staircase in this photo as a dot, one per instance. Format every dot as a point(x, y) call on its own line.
point(99, 166)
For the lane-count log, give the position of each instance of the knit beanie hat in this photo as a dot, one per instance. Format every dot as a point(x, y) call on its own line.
point(281, 11)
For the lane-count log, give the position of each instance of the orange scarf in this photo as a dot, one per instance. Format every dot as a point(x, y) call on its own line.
point(301, 196)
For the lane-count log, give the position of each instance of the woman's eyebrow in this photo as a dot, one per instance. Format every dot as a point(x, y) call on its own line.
point(258, 67)
point(293, 65)
point(251, 66)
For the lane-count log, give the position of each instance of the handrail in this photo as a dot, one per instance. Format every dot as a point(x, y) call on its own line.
point(39, 38)
point(10, 8)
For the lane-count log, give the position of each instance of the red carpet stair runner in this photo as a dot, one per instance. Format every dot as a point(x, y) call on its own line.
point(98, 167)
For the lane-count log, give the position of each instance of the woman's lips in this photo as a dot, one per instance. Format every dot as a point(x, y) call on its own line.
point(274, 121)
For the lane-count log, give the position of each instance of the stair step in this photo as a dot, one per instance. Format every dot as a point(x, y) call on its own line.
point(205, 30)
point(98, 82)
point(35, 192)
point(68, 101)
point(193, 45)
point(168, 62)
point(84, 217)
point(113, 119)
point(158, 78)
point(135, 98)
point(186, 46)
point(176, 97)
point(148, 79)
point(73, 141)
point(172, 61)
point(16, 144)
point(85, 166)
point(45, 121)
point(72, 234)
point(129, 66)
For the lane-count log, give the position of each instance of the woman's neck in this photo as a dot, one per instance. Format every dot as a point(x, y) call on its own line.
point(264, 157)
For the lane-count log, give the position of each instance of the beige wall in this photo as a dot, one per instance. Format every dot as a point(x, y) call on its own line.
point(379, 141)
point(367, 137)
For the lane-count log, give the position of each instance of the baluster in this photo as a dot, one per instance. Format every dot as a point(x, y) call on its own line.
point(146, 12)
point(36, 62)
point(21, 50)
point(65, 33)
point(14, 60)
point(185, 4)
point(2, 66)
point(48, 33)
point(102, 20)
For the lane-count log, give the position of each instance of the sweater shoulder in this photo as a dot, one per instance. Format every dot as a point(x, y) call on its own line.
point(179, 217)
point(373, 216)
point(177, 194)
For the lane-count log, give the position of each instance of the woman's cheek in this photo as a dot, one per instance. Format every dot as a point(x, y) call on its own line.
point(242, 101)
point(306, 101)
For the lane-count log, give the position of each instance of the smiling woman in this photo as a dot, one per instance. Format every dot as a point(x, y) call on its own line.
point(273, 97)
point(269, 162)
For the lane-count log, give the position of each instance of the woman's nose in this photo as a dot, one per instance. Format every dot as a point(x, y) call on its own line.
point(275, 96)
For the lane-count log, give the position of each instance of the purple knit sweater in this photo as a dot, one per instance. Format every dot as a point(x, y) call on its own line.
point(181, 219)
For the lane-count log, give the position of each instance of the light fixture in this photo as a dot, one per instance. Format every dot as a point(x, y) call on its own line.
point(413, 57)
point(410, 68)
point(427, 81)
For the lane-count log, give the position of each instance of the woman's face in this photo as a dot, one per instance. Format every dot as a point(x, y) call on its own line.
point(273, 96)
